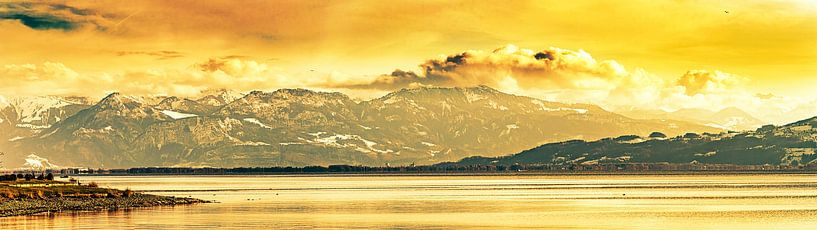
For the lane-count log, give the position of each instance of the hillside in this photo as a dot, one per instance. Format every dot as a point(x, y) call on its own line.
point(792, 144)
point(297, 127)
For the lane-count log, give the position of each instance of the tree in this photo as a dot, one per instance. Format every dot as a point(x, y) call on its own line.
point(657, 135)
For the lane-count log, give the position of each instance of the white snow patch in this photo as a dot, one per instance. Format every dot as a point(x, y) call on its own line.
point(333, 140)
point(17, 138)
point(107, 129)
point(252, 143)
point(37, 162)
point(257, 122)
point(31, 109)
point(30, 126)
point(508, 129)
point(390, 101)
point(365, 127)
point(4, 102)
point(49, 134)
point(428, 144)
point(177, 115)
point(542, 107)
point(492, 104)
point(472, 97)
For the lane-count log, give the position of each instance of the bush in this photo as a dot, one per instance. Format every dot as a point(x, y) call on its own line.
point(9, 194)
point(49, 176)
point(93, 185)
point(113, 194)
point(10, 177)
point(657, 135)
point(41, 177)
point(127, 193)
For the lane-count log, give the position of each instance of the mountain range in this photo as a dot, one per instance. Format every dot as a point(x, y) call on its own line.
point(791, 144)
point(730, 118)
point(298, 127)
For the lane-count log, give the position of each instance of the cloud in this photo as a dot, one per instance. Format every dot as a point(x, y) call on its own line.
point(703, 81)
point(553, 68)
point(214, 73)
point(576, 76)
point(233, 66)
point(47, 16)
point(161, 55)
point(553, 73)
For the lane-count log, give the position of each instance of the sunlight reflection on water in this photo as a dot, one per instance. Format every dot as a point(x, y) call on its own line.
point(457, 202)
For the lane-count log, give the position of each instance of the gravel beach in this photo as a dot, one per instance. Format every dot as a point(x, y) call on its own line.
point(26, 206)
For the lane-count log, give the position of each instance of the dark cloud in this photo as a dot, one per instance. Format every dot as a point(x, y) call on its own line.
point(45, 16)
point(162, 54)
point(543, 55)
point(511, 67)
point(399, 79)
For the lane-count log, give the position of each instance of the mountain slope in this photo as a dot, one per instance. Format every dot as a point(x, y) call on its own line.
point(21, 117)
point(730, 118)
point(792, 144)
point(301, 127)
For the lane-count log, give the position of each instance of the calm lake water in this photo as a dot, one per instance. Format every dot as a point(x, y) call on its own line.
point(458, 202)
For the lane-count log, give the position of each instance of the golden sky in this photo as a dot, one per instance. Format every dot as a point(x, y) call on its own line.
point(717, 47)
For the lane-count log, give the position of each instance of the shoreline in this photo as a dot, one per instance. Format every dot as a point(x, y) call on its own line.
point(23, 207)
point(465, 174)
point(30, 197)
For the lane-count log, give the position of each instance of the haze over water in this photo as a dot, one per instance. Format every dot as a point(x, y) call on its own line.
point(456, 202)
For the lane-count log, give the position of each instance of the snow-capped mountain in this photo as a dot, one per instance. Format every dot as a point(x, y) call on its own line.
point(21, 117)
point(219, 97)
point(730, 118)
point(302, 127)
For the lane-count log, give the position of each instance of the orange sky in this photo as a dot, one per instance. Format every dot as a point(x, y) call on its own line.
point(761, 46)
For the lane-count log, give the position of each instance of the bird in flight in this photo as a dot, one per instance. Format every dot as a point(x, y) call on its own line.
point(726, 11)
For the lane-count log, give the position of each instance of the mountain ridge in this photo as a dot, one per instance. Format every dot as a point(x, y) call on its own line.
point(791, 144)
point(297, 127)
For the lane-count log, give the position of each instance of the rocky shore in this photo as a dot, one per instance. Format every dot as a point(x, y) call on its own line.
point(26, 206)
point(32, 196)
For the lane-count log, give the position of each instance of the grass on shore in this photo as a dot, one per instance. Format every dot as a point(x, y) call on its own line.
point(45, 189)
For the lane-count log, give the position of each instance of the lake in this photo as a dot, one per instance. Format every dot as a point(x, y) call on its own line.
point(781, 201)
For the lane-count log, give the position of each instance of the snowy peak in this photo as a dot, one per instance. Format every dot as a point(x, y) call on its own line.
point(114, 101)
point(284, 97)
point(480, 97)
point(305, 127)
point(219, 97)
point(4, 102)
point(728, 118)
point(37, 112)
